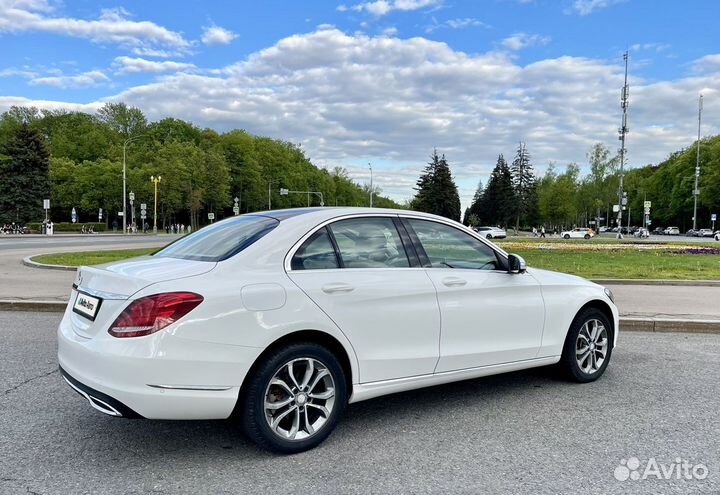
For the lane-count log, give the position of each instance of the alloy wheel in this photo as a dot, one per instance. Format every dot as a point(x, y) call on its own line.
point(299, 399)
point(591, 346)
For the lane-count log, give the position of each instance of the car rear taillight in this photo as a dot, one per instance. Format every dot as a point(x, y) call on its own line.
point(150, 314)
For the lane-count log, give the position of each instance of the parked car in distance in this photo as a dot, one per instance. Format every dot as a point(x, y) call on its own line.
point(281, 318)
point(641, 233)
point(706, 233)
point(691, 233)
point(492, 232)
point(717, 235)
point(578, 233)
point(672, 231)
point(603, 229)
point(658, 231)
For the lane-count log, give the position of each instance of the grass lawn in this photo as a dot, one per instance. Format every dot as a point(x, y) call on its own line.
point(90, 257)
point(633, 262)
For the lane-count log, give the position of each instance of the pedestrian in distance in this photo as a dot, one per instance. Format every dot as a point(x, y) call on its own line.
point(542, 232)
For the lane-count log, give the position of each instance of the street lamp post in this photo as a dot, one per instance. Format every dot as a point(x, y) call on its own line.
point(696, 192)
point(371, 185)
point(156, 181)
point(127, 141)
point(132, 208)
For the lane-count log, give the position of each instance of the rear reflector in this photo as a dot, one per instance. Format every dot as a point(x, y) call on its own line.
point(150, 314)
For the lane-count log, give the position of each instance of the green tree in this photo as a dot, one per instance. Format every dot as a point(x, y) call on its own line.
point(523, 181)
point(498, 200)
point(436, 189)
point(24, 168)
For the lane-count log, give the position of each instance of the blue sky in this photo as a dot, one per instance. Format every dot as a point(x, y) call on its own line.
point(382, 81)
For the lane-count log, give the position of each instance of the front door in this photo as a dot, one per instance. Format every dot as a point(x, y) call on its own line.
point(488, 316)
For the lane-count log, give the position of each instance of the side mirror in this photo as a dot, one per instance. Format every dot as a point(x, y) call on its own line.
point(516, 264)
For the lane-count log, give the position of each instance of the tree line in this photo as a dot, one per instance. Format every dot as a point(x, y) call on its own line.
point(75, 160)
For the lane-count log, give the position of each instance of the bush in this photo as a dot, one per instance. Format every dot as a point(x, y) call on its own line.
point(36, 227)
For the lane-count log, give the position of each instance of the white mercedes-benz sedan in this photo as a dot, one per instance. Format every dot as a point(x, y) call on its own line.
point(282, 318)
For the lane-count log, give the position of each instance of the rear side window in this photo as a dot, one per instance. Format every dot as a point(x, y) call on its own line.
point(316, 253)
point(221, 240)
point(369, 243)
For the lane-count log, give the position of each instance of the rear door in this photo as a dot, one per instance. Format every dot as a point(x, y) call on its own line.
point(488, 316)
point(364, 274)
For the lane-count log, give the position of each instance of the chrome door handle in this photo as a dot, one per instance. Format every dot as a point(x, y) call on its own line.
point(453, 282)
point(337, 288)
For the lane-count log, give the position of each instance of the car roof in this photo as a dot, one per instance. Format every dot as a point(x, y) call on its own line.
point(321, 214)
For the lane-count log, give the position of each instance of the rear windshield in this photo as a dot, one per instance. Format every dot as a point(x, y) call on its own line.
point(221, 240)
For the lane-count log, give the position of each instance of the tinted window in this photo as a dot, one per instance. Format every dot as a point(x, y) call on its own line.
point(316, 253)
point(221, 240)
point(369, 243)
point(448, 247)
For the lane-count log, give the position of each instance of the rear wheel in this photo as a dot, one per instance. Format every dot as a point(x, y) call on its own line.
point(588, 346)
point(295, 398)
point(567, 236)
point(489, 236)
point(587, 236)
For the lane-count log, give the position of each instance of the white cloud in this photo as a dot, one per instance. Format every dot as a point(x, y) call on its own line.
point(708, 63)
point(215, 35)
point(15, 72)
point(653, 47)
point(390, 31)
point(518, 41)
point(350, 99)
point(85, 79)
point(585, 7)
point(458, 23)
point(127, 65)
point(382, 7)
point(112, 26)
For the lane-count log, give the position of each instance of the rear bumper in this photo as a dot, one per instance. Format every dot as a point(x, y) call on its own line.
point(160, 376)
point(98, 400)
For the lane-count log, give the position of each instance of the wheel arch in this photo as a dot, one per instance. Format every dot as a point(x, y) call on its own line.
point(603, 307)
point(313, 336)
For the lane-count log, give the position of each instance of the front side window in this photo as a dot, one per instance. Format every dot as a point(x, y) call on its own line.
point(448, 247)
point(316, 253)
point(220, 241)
point(369, 243)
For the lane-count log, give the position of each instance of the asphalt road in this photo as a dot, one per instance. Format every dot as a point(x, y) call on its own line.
point(49, 244)
point(526, 432)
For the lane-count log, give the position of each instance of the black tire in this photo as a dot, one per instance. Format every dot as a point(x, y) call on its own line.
point(489, 236)
point(567, 236)
point(253, 410)
point(568, 362)
point(587, 236)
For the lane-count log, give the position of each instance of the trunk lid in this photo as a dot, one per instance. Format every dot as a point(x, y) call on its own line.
point(114, 283)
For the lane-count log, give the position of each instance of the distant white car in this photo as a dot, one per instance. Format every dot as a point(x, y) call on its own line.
point(578, 233)
point(492, 232)
point(604, 229)
point(717, 235)
point(705, 233)
point(672, 231)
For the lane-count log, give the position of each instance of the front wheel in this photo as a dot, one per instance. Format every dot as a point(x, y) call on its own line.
point(295, 398)
point(587, 236)
point(489, 236)
point(567, 236)
point(588, 346)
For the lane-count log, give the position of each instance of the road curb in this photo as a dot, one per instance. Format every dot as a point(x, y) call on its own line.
point(27, 261)
point(40, 306)
point(632, 281)
point(632, 324)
